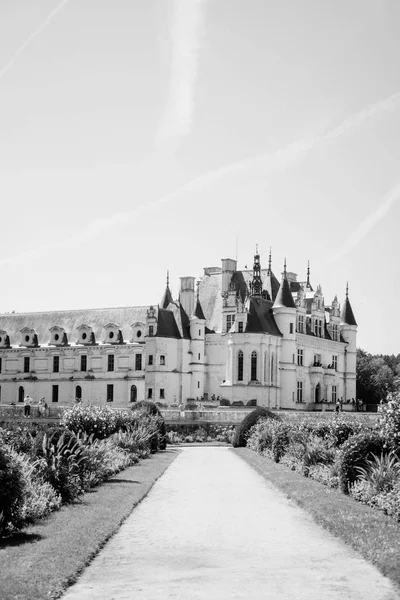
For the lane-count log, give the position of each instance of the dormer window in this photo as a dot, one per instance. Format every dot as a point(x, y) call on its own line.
point(85, 335)
point(58, 336)
point(29, 338)
point(138, 330)
point(113, 334)
point(4, 339)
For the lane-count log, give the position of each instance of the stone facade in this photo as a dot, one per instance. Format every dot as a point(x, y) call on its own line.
point(241, 335)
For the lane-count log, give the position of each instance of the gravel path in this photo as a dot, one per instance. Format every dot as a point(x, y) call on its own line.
point(212, 528)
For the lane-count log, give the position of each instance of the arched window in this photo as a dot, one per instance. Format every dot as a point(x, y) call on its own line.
point(133, 393)
point(240, 366)
point(20, 394)
point(78, 392)
point(254, 366)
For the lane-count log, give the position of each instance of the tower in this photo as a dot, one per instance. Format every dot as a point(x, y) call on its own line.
point(348, 330)
point(197, 347)
point(256, 286)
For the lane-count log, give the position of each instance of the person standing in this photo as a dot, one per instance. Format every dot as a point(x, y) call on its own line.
point(27, 406)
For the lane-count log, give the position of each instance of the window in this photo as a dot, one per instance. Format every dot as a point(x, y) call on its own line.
point(254, 366)
point(1, 361)
point(138, 362)
point(151, 330)
point(240, 366)
point(230, 319)
point(299, 391)
point(150, 359)
point(149, 393)
point(334, 362)
point(26, 364)
point(54, 393)
point(335, 332)
point(110, 391)
point(300, 325)
point(240, 327)
point(290, 327)
point(198, 385)
point(110, 362)
point(317, 360)
point(199, 332)
point(162, 359)
point(56, 364)
point(78, 392)
point(83, 362)
point(334, 393)
point(199, 356)
point(21, 394)
point(319, 328)
point(162, 394)
point(300, 356)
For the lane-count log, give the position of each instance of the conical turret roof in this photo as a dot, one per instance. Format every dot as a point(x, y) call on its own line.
point(284, 296)
point(198, 311)
point(347, 313)
point(167, 298)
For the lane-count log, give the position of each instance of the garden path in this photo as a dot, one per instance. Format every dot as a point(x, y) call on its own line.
point(213, 528)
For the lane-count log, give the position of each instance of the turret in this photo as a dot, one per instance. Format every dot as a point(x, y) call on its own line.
point(348, 330)
point(197, 348)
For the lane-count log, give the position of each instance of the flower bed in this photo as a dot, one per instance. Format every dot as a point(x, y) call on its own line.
point(191, 434)
point(43, 467)
point(344, 453)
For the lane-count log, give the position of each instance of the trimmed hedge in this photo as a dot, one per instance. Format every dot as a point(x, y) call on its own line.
point(354, 453)
point(240, 437)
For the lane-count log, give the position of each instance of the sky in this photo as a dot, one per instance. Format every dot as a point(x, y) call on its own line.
point(153, 135)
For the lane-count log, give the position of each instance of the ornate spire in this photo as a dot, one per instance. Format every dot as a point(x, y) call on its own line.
point(167, 277)
point(347, 312)
point(269, 261)
point(284, 268)
point(308, 274)
point(347, 290)
point(256, 283)
point(167, 296)
point(198, 290)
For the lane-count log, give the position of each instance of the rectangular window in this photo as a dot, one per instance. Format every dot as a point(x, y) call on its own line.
point(1, 363)
point(56, 364)
point(149, 393)
point(199, 332)
point(54, 393)
point(150, 359)
point(26, 364)
point(138, 362)
point(198, 356)
point(198, 384)
point(162, 359)
point(110, 362)
point(290, 327)
point(110, 391)
point(230, 319)
point(151, 330)
point(334, 362)
point(317, 360)
point(240, 327)
point(320, 328)
point(301, 324)
point(300, 356)
point(83, 362)
point(299, 391)
point(162, 393)
point(334, 393)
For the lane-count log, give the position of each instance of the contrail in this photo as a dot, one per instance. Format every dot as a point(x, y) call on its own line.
point(186, 33)
point(37, 31)
point(368, 223)
point(257, 166)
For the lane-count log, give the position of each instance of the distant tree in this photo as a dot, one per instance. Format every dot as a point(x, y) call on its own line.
point(377, 375)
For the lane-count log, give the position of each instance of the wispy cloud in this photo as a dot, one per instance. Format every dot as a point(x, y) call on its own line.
point(366, 226)
point(37, 31)
point(188, 18)
point(259, 166)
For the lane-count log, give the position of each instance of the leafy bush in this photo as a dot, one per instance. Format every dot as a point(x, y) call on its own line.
point(224, 402)
point(136, 440)
point(242, 430)
point(324, 474)
point(237, 403)
point(389, 420)
point(159, 439)
point(354, 453)
point(102, 421)
point(252, 402)
point(381, 472)
point(11, 490)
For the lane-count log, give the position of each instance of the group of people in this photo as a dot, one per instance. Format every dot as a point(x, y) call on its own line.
point(40, 404)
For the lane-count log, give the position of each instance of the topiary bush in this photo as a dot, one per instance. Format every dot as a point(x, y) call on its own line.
point(354, 453)
point(11, 490)
point(242, 430)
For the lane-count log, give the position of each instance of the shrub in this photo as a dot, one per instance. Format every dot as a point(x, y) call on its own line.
point(389, 420)
point(252, 402)
point(354, 453)
point(237, 403)
point(102, 421)
point(381, 472)
point(11, 490)
point(136, 440)
point(159, 440)
point(242, 430)
point(224, 402)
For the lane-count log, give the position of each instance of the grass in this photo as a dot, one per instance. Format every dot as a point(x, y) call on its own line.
point(45, 558)
point(370, 532)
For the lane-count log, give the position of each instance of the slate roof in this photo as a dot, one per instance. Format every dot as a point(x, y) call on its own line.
point(347, 313)
point(166, 324)
point(70, 320)
point(198, 311)
point(284, 296)
point(260, 317)
point(167, 298)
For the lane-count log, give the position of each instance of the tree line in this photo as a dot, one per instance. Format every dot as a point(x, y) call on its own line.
point(377, 375)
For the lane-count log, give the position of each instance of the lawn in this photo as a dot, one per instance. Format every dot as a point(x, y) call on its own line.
point(370, 532)
point(45, 558)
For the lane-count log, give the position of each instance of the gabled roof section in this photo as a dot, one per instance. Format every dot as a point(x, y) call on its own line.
point(284, 296)
point(185, 322)
point(260, 317)
point(198, 311)
point(347, 313)
point(166, 324)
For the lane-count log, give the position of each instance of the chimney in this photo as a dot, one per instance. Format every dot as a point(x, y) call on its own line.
point(187, 294)
point(228, 269)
